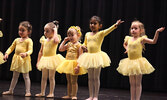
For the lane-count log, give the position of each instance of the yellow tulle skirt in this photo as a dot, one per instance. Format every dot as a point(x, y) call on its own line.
point(21, 65)
point(68, 66)
point(50, 62)
point(138, 66)
point(1, 58)
point(94, 60)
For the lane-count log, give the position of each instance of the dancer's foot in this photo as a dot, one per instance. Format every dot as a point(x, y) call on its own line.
point(95, 98)
point(90, 98)
point(7, 93)
point(50, 95)
point(74, 98)
point(40, 95)
point(27, 94)
point(66, 97)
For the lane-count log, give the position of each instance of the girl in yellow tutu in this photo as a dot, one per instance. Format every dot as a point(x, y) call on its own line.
point(21, 61)
point(94, 59)
point(1, 54)
point(135, 65)
point(69, 66)
point(48, 60)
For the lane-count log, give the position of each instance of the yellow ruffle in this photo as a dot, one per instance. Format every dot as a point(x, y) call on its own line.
point(50, 62)
point(138, 66)
point(94, 60)
point(67, 67)
point(1, 34)
point(1, 58)
point(19, 64)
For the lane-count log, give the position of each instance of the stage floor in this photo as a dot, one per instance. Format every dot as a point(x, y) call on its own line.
point(60, 90)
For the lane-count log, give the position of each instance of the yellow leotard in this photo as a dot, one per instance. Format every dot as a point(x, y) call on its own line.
point(135, 64)
point(95, 58)
point(49, 59)
point(1, 54)
point(70, 63)
point(19, 64)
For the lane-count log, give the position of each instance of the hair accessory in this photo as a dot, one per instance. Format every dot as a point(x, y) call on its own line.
point(77, 28)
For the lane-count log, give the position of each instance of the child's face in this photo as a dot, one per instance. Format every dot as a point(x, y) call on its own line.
point(23, 32)
point(72, 35)
point(48, 32)
point(94, 25)
point(135, 29)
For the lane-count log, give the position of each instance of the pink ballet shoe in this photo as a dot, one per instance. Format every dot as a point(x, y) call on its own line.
point(95, 98)
point(66, 97)
point(7, 93)
point(90, 98)
point(50, 95)
point(27, 94)
point(40, 95)
point(74, 98)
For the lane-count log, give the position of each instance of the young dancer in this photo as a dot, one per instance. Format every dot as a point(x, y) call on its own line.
point(69, 66)
point(95, 58)
point(21, 61)
point(135, 65)
point(48, 60)
point(1, 54)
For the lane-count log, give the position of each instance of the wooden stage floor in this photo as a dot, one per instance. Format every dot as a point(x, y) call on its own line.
point(60, 90)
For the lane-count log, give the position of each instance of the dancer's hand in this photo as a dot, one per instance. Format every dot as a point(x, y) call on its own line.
point(23, 55)
point(84, 48)
point(76, 69)
point(5, 57)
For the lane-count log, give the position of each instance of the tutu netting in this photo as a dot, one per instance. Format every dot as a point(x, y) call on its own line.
point(1, 58)
point(19, 64)
point(94, 60)
point(138, 66)
point(50, 62)
point(68, 66)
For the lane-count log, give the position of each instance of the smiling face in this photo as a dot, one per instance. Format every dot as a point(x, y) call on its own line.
point(94, 25)
point(48, 31)
point(23, 32)
point(72, 35)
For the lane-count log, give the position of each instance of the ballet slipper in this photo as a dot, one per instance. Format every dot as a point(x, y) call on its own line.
point(40, 95)
point(50, 95)
point(27, 94)
point(74, 98)
point(66, 97)
point(7, 93)
point(95, 98)
point(90, 98)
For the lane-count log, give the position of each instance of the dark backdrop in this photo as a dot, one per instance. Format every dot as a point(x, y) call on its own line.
point(153, 13)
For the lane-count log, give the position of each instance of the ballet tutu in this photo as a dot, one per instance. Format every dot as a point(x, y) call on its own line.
point(50, 62)
point(137, 66)
point(68, 66)
point(21, 65)
point(94, 60)
point(1, 58)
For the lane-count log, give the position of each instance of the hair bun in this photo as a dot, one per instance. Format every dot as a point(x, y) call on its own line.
point(56, 22)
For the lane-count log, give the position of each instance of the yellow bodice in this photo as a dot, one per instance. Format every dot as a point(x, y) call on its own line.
point(49, 47)
point(94, 42)
point(134, 47)
point(72, 51)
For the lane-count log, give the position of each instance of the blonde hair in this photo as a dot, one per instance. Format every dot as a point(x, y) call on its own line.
point(77, 28)
point(141, 26)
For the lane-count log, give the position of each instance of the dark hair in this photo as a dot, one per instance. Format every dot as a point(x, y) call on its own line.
point(97, 18)
point(27, 25)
